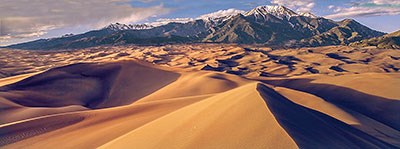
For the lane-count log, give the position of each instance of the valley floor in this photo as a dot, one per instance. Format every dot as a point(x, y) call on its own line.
point(200, 96)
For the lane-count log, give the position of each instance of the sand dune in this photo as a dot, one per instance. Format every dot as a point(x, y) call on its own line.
point(348, 116)
point(89, 85)
point(82, 86)
point(214, 123)
point(122, 103)
point(243, 60)
point(350, 90)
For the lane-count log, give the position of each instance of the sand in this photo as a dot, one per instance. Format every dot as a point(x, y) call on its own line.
point(248, 97)
point(243, 60)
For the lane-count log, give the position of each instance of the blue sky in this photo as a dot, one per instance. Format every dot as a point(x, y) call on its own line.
point(25, 20)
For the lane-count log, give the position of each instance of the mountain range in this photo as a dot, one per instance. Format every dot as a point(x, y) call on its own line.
point(266, 25)
point(388, 41)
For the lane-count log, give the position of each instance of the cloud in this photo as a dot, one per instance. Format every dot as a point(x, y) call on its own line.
point(298, 5)
point(31, 18)
point(221, 13)
point(392, 2)
point(145, 1)
point(362, 11)
point(365, 9)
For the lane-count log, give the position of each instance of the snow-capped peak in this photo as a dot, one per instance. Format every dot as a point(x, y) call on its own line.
point(218, 17)
point(308, 14)
point(164, 21)
point(278, 11)
point(120, 26)
point(220, 14)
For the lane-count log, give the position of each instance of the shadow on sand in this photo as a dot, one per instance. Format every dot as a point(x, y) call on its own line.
point(312, 129)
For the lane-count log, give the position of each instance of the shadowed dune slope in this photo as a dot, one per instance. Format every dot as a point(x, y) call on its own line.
point(90, 85)
point(312, 129)
point(80, 87)
point(374, 95)
point(348, 116)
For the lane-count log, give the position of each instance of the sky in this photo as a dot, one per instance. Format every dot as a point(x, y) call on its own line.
point(27, 20)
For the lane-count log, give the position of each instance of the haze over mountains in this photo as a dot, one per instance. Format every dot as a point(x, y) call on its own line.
point(266, 25)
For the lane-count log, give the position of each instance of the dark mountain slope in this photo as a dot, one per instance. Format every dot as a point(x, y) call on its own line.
point(389, 41)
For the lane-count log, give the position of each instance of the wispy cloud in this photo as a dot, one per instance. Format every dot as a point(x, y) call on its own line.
point(30, 18)
point(369, 8)
point(144, 1)
point(391, 2)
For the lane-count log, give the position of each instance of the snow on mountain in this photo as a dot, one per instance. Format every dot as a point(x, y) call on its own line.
point(218, 17)
point(164, 21)
point(220, 14)
point(140, 26)
point(210, 18)
point(275, 10)
point(120, 26)
point(308, 14)
point(255, 26)
point(215, 18)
